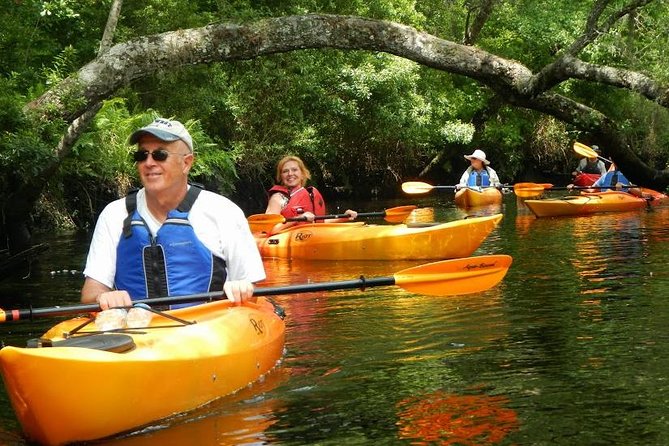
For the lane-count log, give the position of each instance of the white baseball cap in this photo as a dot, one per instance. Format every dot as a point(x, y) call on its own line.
point(165, 130)
point(479, 155)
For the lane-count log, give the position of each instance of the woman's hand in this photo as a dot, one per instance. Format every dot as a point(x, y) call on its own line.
point(309, 216)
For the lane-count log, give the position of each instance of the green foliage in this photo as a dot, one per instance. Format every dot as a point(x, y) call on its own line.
point(26, 141)
point(64, 63)
point(37, 33)
point(103, 155)
point(350, 110)
point(504, 139)
point(362, 121)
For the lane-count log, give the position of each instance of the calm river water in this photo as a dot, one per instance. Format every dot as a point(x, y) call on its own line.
point(571, 348)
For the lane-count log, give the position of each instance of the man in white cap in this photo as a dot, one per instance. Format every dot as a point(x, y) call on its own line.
point(169, 238)
point(479, 173)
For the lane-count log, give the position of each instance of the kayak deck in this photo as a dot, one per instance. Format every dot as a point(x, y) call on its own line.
point(474, 197)
point(359, 241)
point(67, 394)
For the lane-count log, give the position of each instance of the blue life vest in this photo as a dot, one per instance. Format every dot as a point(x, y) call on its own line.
point(480, 179)
point(610, 179)
point(173, 263)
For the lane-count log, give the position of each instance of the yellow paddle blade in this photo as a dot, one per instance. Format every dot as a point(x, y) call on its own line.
point(398, 214)
point(585, 151)
point(264, 222)
point(530, 193)
point(416, 187)
point(455, 277)
point(530, 190)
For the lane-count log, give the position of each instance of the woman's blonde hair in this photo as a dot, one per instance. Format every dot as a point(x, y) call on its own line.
point(305, 172)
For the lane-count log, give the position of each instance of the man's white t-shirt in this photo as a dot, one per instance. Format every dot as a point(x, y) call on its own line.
point(218, 222)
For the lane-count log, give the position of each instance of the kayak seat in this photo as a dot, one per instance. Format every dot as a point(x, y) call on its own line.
point(113, 342)
point(419, 224)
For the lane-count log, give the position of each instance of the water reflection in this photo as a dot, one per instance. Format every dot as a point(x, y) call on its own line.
point(453, 419)
point(421, 215)
point(242, 418)
point(595, 261)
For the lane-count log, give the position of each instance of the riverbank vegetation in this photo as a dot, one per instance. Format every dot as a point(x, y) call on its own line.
point(403, 95)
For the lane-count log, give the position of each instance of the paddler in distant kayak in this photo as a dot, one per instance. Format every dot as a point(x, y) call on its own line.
point(614, 179)
point(593, 166)
point(291, 197)
point(169, 238)
point(589, 169)
point(479, 174)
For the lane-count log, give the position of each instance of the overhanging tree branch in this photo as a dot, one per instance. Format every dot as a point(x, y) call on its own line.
point(557, 72)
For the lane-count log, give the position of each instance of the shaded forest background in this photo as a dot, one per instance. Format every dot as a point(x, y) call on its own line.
point(362, 121)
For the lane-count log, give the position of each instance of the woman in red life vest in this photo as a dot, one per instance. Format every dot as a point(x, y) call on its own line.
point(292, 198)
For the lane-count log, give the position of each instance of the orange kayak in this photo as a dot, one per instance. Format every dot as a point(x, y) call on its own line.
point(473, 197)
point(586, 203)
point(655, 196)
point(359, 241)
point(64, 394)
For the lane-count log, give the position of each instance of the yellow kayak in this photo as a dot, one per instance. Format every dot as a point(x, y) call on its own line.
point(359, 241)
point(64, 394)
point(587, 203)
point(473, 197)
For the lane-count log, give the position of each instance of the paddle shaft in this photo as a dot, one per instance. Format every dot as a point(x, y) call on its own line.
point(585, 187)
point(362, 283)
point(327, 217)
point(464, 275)
point(458, 187)
point(266, 222)
point(421, 188)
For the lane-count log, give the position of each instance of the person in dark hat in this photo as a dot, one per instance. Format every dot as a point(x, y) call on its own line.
point(590, 165)
point(169, 238)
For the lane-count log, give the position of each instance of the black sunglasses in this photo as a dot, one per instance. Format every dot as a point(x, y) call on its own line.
point(157, 155)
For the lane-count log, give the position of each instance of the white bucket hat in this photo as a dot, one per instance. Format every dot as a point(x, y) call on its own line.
point(479, 155)
point(165, 130)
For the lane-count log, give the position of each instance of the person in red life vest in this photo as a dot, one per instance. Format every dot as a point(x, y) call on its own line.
point(291, 197)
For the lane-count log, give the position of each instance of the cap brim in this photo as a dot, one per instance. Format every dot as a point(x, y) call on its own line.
point(160, 134)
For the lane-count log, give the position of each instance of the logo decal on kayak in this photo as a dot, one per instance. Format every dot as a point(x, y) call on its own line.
point(259, 326)
point(481, 265)
point(302, 236)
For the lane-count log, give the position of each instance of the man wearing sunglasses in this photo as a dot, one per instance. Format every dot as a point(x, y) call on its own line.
point(169, 238)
